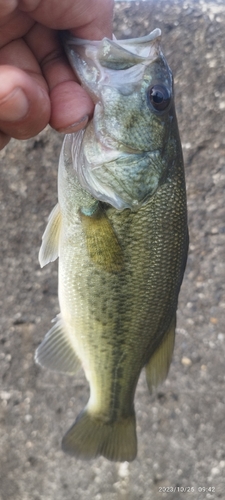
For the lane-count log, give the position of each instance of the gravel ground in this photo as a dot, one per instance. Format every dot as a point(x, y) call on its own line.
point(181, 428)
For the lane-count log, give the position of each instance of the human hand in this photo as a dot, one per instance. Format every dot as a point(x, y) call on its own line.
point(37, 85)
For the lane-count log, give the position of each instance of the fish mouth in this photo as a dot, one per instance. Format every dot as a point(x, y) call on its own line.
point(95, 62)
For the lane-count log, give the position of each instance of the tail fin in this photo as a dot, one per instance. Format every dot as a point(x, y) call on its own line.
point(90, 437)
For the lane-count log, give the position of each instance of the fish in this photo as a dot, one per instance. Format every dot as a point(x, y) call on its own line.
point(120, 233)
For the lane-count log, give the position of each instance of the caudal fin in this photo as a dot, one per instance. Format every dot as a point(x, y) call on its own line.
point(90, 437)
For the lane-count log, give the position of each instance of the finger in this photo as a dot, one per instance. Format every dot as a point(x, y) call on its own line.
point(7, 8)
point(4, 139)
point(24, 105)
point(14, 25)
point(90, 19)
point(71, 107)
point(24, 99)
point(70, 104)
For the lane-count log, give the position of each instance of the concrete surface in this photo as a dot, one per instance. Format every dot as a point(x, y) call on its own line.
point(181, 428)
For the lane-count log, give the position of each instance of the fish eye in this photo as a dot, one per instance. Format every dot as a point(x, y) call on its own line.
point(159, 97)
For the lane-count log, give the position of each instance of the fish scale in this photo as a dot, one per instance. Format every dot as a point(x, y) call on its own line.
point(120, 231)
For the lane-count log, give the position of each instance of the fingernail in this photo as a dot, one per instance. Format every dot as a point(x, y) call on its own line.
point(14, 106)
point(75, 126)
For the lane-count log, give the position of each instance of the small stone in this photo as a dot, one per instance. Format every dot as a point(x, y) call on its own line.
point(28, 418)
point(123, 470)
point(29, 444)
point(215, 471)
point(5, 396)
point(186, 361)
point(214, 321)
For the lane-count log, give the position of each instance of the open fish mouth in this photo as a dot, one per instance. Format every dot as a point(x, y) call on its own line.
point(95, 61)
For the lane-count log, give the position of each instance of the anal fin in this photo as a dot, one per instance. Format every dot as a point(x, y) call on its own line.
point(50, 239)
point(102, 243)
point(159, 363)
point(56, 352)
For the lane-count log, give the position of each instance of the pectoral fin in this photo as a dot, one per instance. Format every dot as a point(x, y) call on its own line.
point(102, 243)
point(158, 365)
point(50, 239)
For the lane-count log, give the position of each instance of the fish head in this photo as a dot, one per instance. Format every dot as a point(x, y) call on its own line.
point(132, 87)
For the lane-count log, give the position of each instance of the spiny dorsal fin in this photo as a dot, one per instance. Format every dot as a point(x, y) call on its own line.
point(102, 243)
point(158, 365)
point(49, 250)
point(56, 352)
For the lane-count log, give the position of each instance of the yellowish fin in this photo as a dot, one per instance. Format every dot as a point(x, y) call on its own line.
point(56, 351)
point(158, 365)
point(90, 437)
point(102, 243)
point(49, 250)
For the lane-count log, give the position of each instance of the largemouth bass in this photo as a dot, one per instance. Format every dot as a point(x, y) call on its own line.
point(120, 232)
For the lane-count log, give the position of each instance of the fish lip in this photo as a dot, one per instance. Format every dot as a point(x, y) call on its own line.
point(66, 37)
point(123, 148)
point(109, 144)
point(153, 153)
